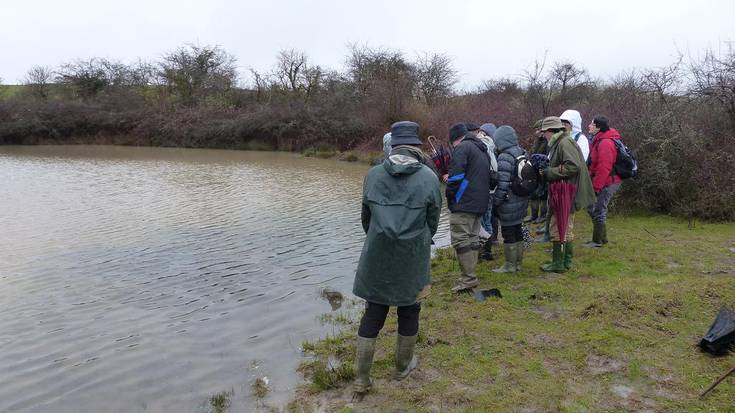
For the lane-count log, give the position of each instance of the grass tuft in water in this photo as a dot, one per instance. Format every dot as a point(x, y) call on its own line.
point(220, 402)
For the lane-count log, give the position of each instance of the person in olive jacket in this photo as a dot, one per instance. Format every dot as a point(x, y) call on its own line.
point(468, 195)
point(566, 163)
point(510, 207)
point(400, 214)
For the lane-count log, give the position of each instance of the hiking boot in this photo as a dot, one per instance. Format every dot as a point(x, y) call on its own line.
point(486, 253)
point(519, 256)
point(406, 360)
point(568, 254)
point(363, 363)
point(557, 263)
point(468, 280)
point(509, 250)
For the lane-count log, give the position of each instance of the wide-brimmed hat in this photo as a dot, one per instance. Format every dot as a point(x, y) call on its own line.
point(404, 133)
point(552, 122)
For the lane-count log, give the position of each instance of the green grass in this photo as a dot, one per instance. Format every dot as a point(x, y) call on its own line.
point(617, 333)
point(8, 91)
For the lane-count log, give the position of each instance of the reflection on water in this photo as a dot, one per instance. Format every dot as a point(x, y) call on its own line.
point(148, 279)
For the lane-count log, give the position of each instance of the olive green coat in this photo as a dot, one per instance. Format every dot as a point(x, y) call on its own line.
point(400, 213)
point(566, 162)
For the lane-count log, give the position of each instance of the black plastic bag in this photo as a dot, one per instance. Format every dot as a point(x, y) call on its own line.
point(721, 336)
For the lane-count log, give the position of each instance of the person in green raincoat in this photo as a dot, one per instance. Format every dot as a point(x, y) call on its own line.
point(400, 214)
point(566, 162)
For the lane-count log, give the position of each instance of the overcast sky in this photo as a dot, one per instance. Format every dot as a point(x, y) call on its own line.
point(485, 39)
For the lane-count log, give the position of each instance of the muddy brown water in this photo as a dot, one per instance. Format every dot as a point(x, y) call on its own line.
point(149, 279)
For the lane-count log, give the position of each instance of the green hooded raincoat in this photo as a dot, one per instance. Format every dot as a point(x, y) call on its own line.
point(567, 162)
point(400, 213)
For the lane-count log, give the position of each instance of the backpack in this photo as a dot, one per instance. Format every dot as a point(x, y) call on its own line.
point(525, 178)
point(626, 166)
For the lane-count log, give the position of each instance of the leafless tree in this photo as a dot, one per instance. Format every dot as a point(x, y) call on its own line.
point(539, 89)
point(382, 77)
point(195, 72)
point(567, 75)
point(87, 77)
point(290, 65)
point(38, 79)
point(502, 86)
point(263, 85)
point(714, 79)
point(435, 77)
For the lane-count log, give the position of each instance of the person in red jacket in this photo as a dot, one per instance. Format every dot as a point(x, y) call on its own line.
point(604, 181)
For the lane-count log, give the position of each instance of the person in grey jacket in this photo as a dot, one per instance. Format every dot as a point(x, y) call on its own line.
point(510, 207)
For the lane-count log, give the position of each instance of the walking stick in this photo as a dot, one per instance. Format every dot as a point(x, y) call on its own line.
point(724, 376)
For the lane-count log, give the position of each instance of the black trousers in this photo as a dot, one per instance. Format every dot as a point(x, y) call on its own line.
point(512, 234)
point(374, 318)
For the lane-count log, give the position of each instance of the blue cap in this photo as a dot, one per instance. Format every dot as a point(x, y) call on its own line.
point(489, 129)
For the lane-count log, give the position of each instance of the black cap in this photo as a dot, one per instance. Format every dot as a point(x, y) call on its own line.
point(458, 130)
point(471, 126)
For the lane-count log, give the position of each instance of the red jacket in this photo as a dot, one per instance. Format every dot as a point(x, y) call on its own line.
point(602, 157)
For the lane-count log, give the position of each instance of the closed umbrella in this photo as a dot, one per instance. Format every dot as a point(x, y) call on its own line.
point(561, 200)
point(440, 155)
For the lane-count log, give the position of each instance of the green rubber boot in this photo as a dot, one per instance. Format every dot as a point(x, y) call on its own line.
point(603, 233)
point(406, 360)
point(510, 251)
point(557, 263)
point(597, 230)
point(363, 363)
point(568, 254)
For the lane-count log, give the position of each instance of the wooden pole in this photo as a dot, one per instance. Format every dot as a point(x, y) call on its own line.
point(724, 376)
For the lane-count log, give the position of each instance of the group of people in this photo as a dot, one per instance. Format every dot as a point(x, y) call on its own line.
point(402, 201)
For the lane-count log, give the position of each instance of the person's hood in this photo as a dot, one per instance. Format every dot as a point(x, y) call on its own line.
point(608, 134)
point(403, 160)
point(386, 144)
point(573, 117)
point(559, 135)
point(505, 137)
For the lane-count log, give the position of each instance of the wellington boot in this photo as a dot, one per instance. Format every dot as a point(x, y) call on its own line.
point(557, 263)
point(519, 256)
point(363, 363)
point(509, 251)
point(568, 254)
point(406, 360)
point(467, 263)
point(486, 253)
point(596, 242)
point(603, 233)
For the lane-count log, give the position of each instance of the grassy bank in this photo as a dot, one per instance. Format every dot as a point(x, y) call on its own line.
point(617, 333)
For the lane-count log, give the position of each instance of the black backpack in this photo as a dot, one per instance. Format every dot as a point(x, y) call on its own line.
point(525, 176)
point(626, 166)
